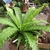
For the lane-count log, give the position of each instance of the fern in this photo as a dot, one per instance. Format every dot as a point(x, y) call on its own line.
point(6, 33)
point(26, 44)
point(28, 17)
point(6, 21)
point(38, 27)
point(28, 14)
point(23, 27)
point(19, 40)
point(11, 14)
point(19, 16)
point(34, 22)
point(31, 40)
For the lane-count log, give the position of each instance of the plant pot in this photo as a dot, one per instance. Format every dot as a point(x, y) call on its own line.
point(24, 8)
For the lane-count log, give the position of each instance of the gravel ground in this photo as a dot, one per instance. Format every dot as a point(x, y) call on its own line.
point(42, 16)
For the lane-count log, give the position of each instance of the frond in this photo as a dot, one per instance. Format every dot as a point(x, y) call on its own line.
point(34, 22)
point(6, 21)
point(5, 34)
point(31, 14)
point(19, 40)
point(37, 33)
point(23, 15)
point(28, 15)
point(12, 15)
point(32, 40)
point(27, 47)
point(18, 14)
point(38, 22)
point(39, 27)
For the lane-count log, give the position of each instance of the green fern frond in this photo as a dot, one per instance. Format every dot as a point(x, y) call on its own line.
point(39, 27)
point(34, 22)
point(37, 22)
point(37, 33)
point(18, 15)
point(32, 40)
point(23, 15)
point(19, 40)
point(32, 13)
point(5, 34)
point(28, 15)
point(12, 15)
point(26, 44)
point(6, 21)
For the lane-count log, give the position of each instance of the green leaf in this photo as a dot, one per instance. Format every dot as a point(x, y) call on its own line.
point(31, 14)
point(5, 34)
point(37, 33)
point(18, 14)
point(12, 15)
point(37, 22)
point(28, 15)
point(32, 40)
point(19, 40)
point(23, 15)
point(33, 22)
point(6, 21)
point(26, 44)
point(38, 27)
